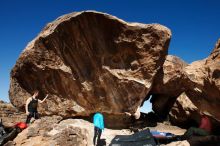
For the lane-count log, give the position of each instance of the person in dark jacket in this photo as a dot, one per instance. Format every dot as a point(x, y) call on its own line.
point(98, 121)
point(31, 106)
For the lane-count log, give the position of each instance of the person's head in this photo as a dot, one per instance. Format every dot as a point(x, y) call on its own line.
point(36, 93)
point(97, 112)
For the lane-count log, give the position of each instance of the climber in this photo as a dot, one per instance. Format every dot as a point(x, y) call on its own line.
point(31, 106)
point(98, 121)
point(133, 118)
point(204, 129)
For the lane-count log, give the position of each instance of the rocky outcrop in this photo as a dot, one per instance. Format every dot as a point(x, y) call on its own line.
point(10, 115)
point(168, 85)
point(170, 79)
point(53, 131)
point(184, 112)
point(198, 83)
point(56, 131)
point(90, 61)
point(204, 87)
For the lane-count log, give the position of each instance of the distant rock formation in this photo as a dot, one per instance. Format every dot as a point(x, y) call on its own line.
point(88, 62)
point(10, 115)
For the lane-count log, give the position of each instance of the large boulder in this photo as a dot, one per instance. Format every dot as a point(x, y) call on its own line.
point(203, 86)
point(184, 112)
point(170, 78)
point(90, 61)
point(198, 83)
point(168, 85)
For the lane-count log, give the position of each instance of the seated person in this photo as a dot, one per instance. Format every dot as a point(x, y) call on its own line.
point(204, 129)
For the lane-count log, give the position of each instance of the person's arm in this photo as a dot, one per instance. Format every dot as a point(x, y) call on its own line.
point(41, 101)
point(127, 114)
point(26, 106)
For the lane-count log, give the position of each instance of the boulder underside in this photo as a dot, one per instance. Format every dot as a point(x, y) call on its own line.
point(90, 61)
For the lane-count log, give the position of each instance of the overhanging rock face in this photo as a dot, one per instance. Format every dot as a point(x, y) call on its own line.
point(196, 87)
point(90, 61)
point(204, 77)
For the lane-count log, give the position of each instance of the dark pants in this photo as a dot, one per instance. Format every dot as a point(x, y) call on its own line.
point(193, 131)
point(97, 133)
point(34, 115)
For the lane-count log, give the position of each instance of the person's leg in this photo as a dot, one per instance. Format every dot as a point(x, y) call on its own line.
point(29, 118)
point(188, 133)
point(95, 135)
point(99, 135)
point(36, 115)
point(192, 131)
point(200, 132)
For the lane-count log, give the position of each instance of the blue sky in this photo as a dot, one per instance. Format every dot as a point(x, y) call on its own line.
point(195, 24)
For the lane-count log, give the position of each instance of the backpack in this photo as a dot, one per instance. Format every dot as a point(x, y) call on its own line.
point(21, 125)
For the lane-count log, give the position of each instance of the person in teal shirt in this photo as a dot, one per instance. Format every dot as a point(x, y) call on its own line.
point(98, 121)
